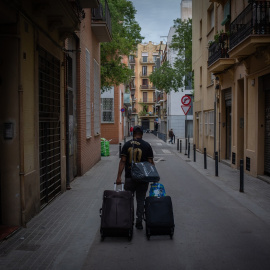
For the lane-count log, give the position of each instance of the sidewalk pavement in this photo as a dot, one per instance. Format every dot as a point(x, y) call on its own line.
point(60, 236)
point(256, 195)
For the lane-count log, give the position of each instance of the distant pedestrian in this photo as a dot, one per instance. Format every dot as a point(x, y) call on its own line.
point(141, 151)
point(131, 131)
point(171, 135)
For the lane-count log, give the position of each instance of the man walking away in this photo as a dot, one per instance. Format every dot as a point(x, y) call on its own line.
point(171, 135)
point(142, 152)
point(131, 131)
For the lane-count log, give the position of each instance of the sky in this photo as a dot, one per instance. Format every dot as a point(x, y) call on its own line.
point(155, 17)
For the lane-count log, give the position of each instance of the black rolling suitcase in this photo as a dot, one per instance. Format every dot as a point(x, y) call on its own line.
point(117, 213)
point(159, 216)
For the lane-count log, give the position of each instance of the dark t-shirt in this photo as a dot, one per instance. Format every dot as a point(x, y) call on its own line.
point(142, 151)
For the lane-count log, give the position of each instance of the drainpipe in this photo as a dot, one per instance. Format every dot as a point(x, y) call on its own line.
point(21, 140)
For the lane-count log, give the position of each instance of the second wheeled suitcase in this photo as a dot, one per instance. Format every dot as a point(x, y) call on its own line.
point(159, 216)
point(117, 213)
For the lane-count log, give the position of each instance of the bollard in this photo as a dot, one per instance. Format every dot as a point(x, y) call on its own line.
point(186, 147)
point(205, 160)
point(173, 138)
point(177, 144)
point(241, 175)
point(180, 146)
point(119, 150)
point(194, 152)
point(216, 163)
point(124, 139)
point(189, 150)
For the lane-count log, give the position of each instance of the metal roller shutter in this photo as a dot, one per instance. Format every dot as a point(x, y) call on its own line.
point(49, 127)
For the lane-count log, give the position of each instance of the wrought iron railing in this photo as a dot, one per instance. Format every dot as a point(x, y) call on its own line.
point(217, 51)
point(253, 20)
point(100, 14)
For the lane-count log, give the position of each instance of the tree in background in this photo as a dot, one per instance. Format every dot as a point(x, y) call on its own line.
point(171, 78)
point(125, 38)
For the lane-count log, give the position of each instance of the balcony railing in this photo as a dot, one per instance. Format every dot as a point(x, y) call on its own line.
point(101, 22)
point(253, 20)
point(147, 87)
point(217, 51)
point(144, 74)
point(148, 100)
point(142, 61)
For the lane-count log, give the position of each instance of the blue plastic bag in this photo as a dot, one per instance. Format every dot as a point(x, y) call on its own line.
point(157, 190)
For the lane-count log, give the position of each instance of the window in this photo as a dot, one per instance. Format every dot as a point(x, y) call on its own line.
point(144, 96)
point(87, 99)
point(206, 123)
point(210, 79)
point(107, 110)
point(144, 81)
point(210, 18)
point(211, 123)
point(154, 58)
point(144, 70)
point(227, 13)
point(131, 59)
point(96, 98)
point(153, 68)
point(145, 59)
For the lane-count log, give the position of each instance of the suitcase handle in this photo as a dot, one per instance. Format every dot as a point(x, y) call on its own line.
point(122, 185)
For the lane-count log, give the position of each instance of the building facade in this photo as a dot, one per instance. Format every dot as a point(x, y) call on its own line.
point(231, 46)
point(143, 92)
point(49, 100)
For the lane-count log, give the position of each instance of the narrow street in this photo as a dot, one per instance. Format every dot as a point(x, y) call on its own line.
point(213, 229)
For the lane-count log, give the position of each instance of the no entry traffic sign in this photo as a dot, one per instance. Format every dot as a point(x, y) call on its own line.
point(186, 100)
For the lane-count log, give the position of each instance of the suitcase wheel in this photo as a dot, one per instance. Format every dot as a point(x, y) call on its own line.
point(102, 235)
point(171, 234)
point(148, 234)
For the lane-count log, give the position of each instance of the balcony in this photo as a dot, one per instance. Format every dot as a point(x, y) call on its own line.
point(144, 74)
point(218, 58)
point(131, 61)
point(61, 16)
point(147, 87)
point(148, 100)
point(250, 30)
point(101, 23)
point(148, 115)
point(142, 62)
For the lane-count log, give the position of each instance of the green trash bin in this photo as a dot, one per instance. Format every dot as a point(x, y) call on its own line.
point(105, 147)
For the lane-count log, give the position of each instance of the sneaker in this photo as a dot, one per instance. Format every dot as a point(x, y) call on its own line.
point(139, 226)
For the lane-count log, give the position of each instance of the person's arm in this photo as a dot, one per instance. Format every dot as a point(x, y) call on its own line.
point(121, 167)
point(151, 160)
point(150, 155)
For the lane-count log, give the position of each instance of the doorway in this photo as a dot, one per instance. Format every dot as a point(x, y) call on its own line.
point(228, 112)
point(266, 88)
